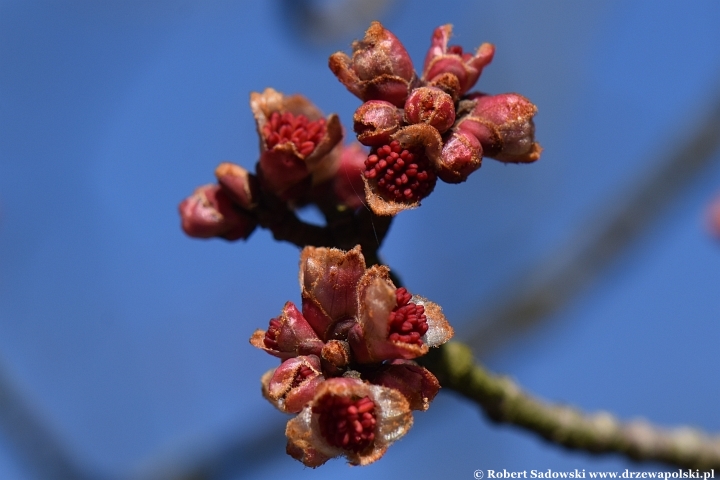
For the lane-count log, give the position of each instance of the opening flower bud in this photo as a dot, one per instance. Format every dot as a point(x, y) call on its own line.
point(209, 212)
point(432, 106)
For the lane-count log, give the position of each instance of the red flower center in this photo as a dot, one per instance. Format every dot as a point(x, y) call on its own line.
point(273, 330)
point(408, 322)
point(302, 373)
point(346, 422)
point(286, 127)
point(401, 175)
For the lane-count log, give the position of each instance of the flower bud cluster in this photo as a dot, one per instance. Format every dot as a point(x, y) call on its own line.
point(347, 366)
point(301, 160)
point(423, 128)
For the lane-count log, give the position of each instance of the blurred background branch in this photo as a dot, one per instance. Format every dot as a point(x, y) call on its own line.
point(605, 236)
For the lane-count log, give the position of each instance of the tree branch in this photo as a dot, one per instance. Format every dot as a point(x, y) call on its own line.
point(504, 402)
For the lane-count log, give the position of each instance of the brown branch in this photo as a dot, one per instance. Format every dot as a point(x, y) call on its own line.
point(503, 401)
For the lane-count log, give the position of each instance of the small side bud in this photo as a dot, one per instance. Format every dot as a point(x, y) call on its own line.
point(348, 184)
point(293, 384)
point(288, 335)
point(209, 212)
point(375, 121)
point(432, 106)
point(461, 155)
point(504, 126)
point(238, 184)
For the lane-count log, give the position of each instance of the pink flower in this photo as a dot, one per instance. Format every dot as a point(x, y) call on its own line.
point(288, 335)
point(293, 384)
point(349, 418)
point(348, 183)
point(298, 146)
point(392, 323)
point(380, 68)
point(209, 212)
point(504, 125)
point(442, 61)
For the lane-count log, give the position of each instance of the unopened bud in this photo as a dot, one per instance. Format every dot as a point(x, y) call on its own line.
point(209, 212)
point(504, 126)
point(375, 121)
point(380, 68)
point(432, 106)
point(461, 155)
point(237, 183)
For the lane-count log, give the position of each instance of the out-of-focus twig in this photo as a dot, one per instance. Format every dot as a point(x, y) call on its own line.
point(37, 449)
point(323, 22)
point(234, 457)
point(557, 280)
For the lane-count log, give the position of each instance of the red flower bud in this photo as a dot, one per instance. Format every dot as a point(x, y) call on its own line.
point(461, 155)
point(380, 68)
point(432, 106)
point(296, 142)
point(238, 184)
point(209, 212)
point(417, 383)
point(504, 126)
point(375, 121)
point(288, 335)
point(348, 418)
point(442, 59)
point(348, 183)
point(392, 324)
point(293, 384)
point(336, 356)
point(328, 278)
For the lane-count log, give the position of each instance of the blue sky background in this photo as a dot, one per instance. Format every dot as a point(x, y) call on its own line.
point(128, 340)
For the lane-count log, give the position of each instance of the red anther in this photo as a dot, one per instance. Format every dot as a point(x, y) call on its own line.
point(401, 175)
point(270, 339)
point(407, 322)
point(286, 127)
point(346, 422)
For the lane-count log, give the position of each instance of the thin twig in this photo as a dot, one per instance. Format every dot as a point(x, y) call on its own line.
point(504, 402)
point(37, 448)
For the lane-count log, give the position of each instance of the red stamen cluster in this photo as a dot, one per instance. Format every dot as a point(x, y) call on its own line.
point(400, 174)
point(271, 334)
point(286, 127)
point(345, 422)
point(303, 372)
point(408, 322)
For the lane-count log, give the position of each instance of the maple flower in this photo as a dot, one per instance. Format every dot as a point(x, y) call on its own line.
point(297, 144)
point(380, 68)
point(422, 130)
point(346, 358)
point(350, 418)
point(443, 61)
point(293, 384)
point(209, 212)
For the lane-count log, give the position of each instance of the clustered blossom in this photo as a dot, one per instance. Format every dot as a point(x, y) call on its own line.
point(347, 369)
point(347, 366)
point(301, 159)
point(423, 128)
